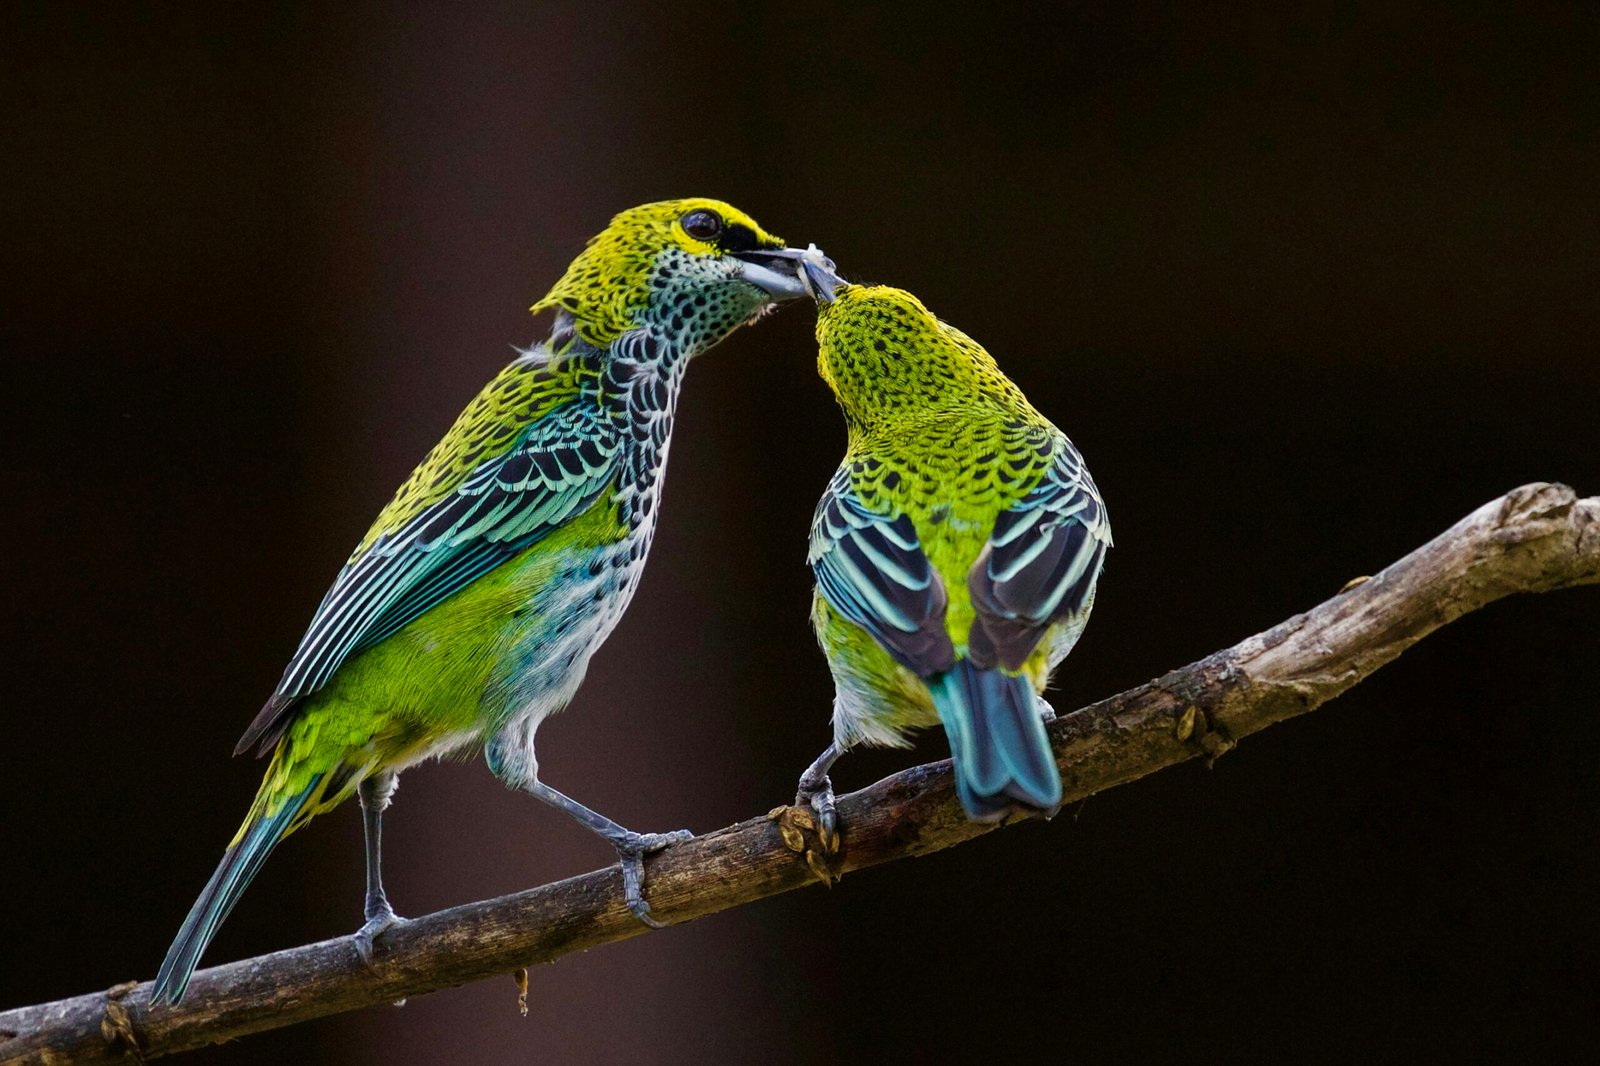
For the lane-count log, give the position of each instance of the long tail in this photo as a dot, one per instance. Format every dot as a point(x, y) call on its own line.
point(997, 739)
point(260, 833)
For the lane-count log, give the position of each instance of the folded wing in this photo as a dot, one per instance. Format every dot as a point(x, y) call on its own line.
point(1040, 564)
point(555, 468)
point(870, 567)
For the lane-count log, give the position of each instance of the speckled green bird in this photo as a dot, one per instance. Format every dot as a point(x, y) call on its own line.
point(956, 553)
point(468, 613)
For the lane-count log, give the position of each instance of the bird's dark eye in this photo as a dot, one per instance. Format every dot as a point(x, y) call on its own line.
point(702, 225)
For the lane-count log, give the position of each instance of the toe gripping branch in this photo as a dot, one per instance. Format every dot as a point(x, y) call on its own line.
point(810, 829)
point(631, 849)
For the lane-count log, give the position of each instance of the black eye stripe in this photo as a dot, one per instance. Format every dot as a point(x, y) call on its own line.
point(740, 238)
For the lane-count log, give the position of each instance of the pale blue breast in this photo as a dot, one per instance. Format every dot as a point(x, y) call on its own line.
point(546, 650)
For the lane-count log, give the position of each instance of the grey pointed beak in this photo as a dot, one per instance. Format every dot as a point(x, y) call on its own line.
point(818, 275)
point(787, 273)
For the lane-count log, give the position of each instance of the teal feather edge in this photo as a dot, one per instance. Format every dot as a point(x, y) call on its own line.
point(239, 866)
point(998, 742)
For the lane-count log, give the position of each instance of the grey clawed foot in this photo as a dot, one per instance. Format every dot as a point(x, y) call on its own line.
point(378, 922)
point(631, 850)
point(810, 828)
point(818, 795)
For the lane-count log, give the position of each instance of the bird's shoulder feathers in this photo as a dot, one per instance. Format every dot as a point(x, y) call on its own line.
point(526, 390)
point(533, 450)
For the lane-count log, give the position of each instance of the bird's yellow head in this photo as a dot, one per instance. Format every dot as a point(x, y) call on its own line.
point(692, 270)
point(885, 355)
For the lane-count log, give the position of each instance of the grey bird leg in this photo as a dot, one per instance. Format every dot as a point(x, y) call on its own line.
point(816, 791)
point(375, 793)
point(1047, 712)
point(631, 847)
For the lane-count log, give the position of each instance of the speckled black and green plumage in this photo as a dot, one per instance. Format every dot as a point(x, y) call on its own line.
point(469, 611)
point(956, 549)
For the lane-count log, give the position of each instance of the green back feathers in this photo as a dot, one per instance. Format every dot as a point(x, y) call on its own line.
point(947, 461)
point(936, 430)
point(522, 393)
point(551, 434)
point(535, 449)
point(605, 289)
point(608, 285)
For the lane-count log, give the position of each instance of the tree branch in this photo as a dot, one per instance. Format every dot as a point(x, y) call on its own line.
point(1537, 538)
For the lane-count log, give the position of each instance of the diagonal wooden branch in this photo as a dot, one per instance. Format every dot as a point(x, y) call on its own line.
point(1537, 538)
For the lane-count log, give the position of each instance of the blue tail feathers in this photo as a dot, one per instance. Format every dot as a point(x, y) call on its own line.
point(1002, 754)
point(240, 864)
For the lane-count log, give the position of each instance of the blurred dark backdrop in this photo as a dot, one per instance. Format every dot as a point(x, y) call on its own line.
point(1304, 285)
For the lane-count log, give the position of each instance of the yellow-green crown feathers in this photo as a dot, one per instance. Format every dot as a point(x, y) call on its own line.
point(883, 353)
point(608, 285)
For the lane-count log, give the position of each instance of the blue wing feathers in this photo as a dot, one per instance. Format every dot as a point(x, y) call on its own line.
point(1041, 562)
point(561, 464)
point(871, 568)
point(1039, 565)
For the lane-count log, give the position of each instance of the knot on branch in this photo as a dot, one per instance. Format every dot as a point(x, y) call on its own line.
point(1551, 530)
point(1540, 501)
point(1198, 728)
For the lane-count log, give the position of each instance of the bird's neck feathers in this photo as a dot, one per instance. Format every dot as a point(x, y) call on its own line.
point(684, 301)
point(891, 360)
point(604, 289)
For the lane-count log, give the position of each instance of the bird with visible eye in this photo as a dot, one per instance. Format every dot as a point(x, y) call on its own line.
point(468, 613)
point(702, 225)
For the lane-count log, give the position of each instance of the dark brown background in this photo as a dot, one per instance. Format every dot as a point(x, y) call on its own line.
point(1304, 286)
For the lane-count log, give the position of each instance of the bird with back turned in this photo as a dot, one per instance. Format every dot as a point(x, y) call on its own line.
point(956, 553)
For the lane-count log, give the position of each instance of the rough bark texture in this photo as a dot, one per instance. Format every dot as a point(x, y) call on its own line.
point(1537, 538)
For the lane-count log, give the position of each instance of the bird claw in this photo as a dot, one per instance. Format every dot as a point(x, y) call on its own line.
point(631, 850)
point(814, 817)
point(823, 810)
point(377, 924)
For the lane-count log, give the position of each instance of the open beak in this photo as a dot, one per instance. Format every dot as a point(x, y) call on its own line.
point(787, 273)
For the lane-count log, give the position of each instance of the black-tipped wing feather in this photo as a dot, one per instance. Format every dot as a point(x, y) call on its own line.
point(1041, 563)
point(559, 466)
point(870, 568)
